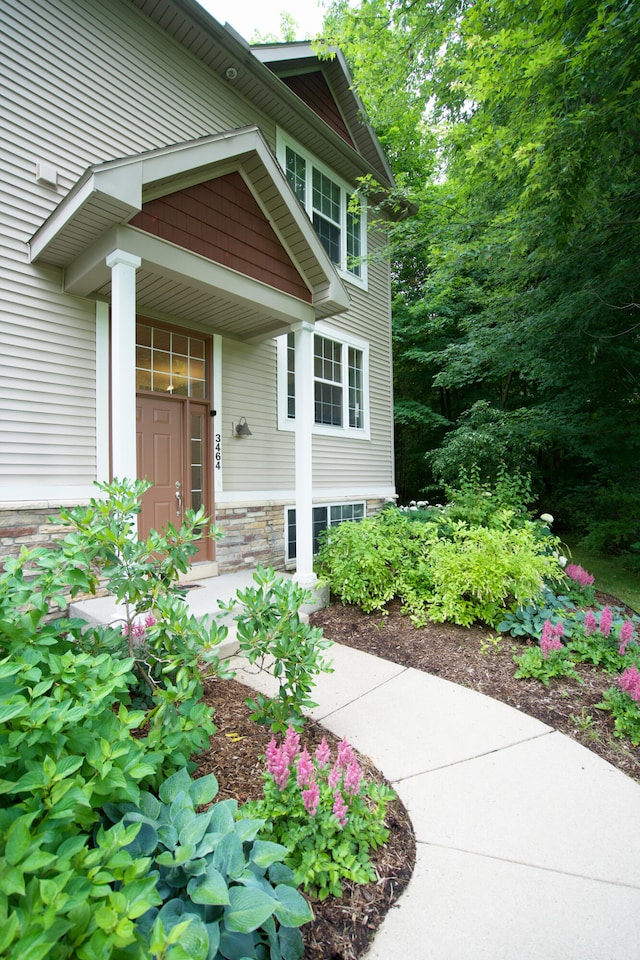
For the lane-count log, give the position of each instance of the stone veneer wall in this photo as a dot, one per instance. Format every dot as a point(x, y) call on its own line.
point(251, 535)
point(31, 527)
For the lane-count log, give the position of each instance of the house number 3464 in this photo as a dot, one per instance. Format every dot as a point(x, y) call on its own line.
point(218, 452)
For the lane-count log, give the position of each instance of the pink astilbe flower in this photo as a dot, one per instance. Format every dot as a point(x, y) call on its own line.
point(340, 809)
point(550, 639)
point(345, 754)
point(629, 681)
point(311, 798)
point(277, 764)
point(606, 622)
point(334, 777)
point(578, 574)
point(626, 636)
point(306, 769)
point(150, 620)
point(353, 778)
point(323, 754)
point(291, 745)
point(590, 623)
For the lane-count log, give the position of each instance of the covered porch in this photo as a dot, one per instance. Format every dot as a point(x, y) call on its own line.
point(131, 236)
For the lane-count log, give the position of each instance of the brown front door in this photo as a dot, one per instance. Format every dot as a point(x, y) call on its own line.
point(160, 441)
point(172, 430)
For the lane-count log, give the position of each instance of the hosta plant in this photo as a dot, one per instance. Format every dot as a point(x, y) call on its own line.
point(225, 893)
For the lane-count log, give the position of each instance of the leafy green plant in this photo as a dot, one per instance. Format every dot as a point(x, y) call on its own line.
point(361, 560)
point(485, 503)
point(533, 664)
point(625, 711)
point(528, 619)
point(623, 701)
point(69, 740)
point(479, 570)
point(63, 752)
point(271, 630)
point(224, 892)
point(66, 895)
point(441, 571)
point(166, 644)
point(324, 814)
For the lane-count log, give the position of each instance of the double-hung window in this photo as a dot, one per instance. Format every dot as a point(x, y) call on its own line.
point(334, 209)
point(340, 382)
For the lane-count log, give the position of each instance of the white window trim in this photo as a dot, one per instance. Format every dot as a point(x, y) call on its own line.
point(282, 142)
point(321, 429)
point(328, 505)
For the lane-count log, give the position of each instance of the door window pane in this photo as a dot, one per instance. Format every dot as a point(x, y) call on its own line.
point(169, 362)
point(197, 460)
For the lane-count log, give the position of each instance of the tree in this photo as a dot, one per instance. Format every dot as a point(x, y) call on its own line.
point(528, 234)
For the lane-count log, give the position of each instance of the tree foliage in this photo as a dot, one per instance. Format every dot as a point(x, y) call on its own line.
point(517, 282)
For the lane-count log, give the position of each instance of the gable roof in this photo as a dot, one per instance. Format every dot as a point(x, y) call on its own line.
point(94, 218)
point(258, 72)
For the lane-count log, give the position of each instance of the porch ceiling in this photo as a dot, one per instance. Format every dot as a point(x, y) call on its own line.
point(92, 221)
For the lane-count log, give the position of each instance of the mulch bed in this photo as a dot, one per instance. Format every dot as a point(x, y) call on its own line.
point(475, 657)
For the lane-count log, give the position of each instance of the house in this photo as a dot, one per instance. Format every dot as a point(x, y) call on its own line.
point(190, 289)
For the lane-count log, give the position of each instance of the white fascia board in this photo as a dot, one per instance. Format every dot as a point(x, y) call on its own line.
point(172, 162)
point(344, 494)
point(44, 496)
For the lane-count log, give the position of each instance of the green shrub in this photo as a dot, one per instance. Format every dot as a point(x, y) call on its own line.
point(67, 743)
point(440, 570)
point(271, 630)
point(479, 571)
point(166, 644)
point(500, 503)
point(63, 753)
point(223, 891)
point(361, 560)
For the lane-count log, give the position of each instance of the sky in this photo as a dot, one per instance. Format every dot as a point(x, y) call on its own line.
point(247, 16)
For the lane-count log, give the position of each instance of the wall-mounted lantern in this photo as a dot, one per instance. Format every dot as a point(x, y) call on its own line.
point(241, 428)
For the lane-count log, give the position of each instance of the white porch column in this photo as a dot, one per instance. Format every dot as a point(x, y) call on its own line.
point(123, 268)
point(304, 452)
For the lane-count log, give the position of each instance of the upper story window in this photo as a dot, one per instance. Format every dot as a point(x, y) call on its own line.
point(340, 382)
point(334, 209)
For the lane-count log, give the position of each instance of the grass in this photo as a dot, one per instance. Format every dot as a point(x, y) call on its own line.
point(610, 576)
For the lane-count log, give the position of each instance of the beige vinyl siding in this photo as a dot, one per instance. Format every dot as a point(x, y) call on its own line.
point(344, 461)
point(265, 460)
point(83, 82)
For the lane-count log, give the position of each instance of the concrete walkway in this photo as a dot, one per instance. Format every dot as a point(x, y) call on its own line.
point(528, 845)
